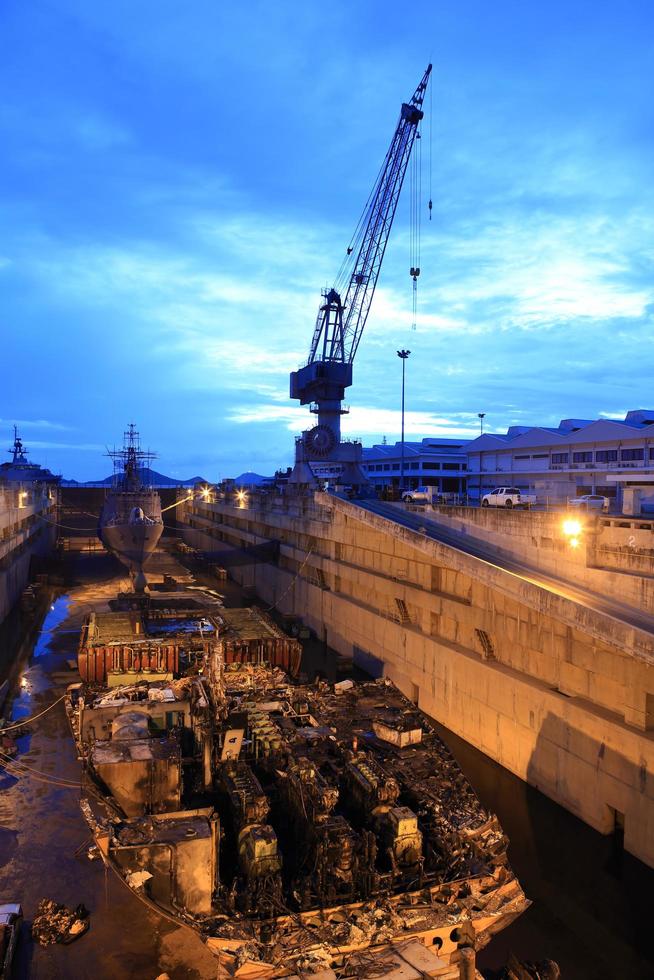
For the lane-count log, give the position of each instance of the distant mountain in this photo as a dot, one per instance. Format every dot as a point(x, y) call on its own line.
point(250, 479)
point(151, 477)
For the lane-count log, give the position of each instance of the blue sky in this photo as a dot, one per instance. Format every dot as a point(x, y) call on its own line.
point(179, 181)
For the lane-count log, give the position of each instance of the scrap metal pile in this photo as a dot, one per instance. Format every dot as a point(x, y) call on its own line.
point(295, 826)
point(358, 796)
point(54, 923)
point(353, 828)
point(313, 822)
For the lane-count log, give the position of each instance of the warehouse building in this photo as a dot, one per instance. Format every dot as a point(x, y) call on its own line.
point(432, 462)
point(579, 456)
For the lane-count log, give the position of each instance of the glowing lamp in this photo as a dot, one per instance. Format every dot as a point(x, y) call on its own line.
point(572, 529)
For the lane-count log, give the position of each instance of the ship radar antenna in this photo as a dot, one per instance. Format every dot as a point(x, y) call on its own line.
point(18, 450)
point(131, 462)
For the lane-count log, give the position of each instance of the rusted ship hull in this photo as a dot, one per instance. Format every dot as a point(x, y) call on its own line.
point(131, 544)
point(131, 525)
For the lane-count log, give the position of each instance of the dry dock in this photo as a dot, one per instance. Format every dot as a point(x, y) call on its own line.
point(590, 906)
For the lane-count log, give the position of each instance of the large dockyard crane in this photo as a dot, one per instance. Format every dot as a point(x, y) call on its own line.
point(342, 316)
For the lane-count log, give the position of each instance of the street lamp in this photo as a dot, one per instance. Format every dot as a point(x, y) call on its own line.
point(480, 416)
point(403, 354)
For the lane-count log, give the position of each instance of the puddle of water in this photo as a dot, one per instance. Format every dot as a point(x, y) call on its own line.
point(7, 843)
point(56, 614)
point(33, 680)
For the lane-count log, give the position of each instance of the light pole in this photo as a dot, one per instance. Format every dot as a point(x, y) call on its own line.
point(480, 416)
point(403, 354)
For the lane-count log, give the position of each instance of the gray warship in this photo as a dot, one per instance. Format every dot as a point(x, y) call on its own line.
point(20, 470)
point(130, 520)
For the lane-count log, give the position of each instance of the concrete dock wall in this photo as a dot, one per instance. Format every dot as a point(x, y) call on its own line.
point(27, 530)
point(560, 694)
point(609, 546)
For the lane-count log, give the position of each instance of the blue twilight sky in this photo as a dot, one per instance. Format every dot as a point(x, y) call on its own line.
point(179, 181)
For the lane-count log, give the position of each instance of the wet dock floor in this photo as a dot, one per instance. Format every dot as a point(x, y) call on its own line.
point(591, 907)
point(42, 830)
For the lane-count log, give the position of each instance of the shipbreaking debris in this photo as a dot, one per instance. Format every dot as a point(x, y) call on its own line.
point(516, 969)
point(296, 827)
point(55, 923)
point(168, 634)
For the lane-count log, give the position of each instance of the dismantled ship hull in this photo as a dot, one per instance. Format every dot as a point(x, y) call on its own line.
point(130, 527)
point(130, 521)
point(296, 827)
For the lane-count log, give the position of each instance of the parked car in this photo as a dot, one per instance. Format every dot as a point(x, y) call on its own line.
point(11, 917)
point(589, 501)
point(507, 497)
point(421, 495)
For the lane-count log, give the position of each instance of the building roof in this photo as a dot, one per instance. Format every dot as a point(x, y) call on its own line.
point(426, 447)
point(568, 432)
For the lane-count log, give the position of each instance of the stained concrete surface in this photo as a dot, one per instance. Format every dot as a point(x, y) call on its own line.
point(574, 590)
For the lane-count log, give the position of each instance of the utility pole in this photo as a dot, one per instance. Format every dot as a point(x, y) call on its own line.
point(480, 416)
point(403, 354)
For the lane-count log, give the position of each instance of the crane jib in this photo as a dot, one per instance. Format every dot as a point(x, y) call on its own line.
point(365, 263)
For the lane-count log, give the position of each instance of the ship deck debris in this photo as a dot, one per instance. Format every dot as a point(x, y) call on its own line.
point(54, 923)
point(296, 827)
point(168, 633)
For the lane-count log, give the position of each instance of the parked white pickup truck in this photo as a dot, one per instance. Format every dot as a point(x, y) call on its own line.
point(507, 497)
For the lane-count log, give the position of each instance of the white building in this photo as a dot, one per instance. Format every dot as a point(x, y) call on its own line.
point(433, 462)
point(604, 456)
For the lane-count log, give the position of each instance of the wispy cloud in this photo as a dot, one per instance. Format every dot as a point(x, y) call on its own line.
point(83, 447)
point(363, 421)
point(36, 424)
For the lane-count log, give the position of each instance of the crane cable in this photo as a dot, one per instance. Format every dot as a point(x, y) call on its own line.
point(17, 769)
point(415, 178)
point(293, 581)
point(346, 271)
point(431, 118)
point(31, 718)
point(415, 198)
point(69, 527)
